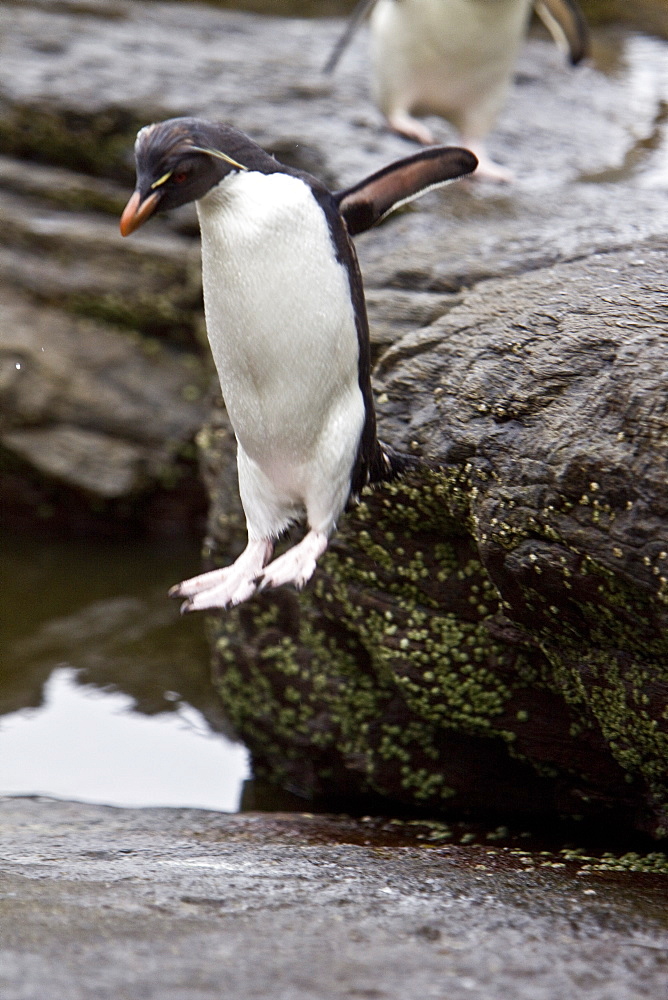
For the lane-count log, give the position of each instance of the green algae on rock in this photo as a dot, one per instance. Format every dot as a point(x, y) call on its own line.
point(487, 634)
point(368, 686)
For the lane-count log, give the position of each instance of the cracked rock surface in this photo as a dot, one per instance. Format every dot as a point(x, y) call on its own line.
point(186, 905)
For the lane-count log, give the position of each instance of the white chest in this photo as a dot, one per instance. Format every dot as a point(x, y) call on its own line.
point(448, 39)
point(279, 315)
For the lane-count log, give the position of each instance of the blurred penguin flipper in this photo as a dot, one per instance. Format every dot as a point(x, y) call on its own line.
point(362, 8)
point(567, 25)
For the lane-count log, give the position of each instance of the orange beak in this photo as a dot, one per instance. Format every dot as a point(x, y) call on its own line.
point(136, 212)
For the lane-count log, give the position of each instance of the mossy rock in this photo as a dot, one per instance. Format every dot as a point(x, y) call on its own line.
point(97, 144)
point(398, 676)
point(487, 634)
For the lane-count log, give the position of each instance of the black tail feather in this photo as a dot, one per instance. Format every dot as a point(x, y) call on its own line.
point(390, 463)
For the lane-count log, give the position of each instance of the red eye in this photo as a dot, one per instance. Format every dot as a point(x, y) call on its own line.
point(180, 177)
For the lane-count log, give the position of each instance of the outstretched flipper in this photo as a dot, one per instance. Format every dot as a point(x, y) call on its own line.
point(362, 8)
point(566, 23)
point(366, 203)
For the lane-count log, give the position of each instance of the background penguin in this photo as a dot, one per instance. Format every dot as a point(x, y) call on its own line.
point(287, 325)
point(454, 58)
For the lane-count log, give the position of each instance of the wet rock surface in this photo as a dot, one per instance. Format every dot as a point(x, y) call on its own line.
point(187, 904)
point(426, 666)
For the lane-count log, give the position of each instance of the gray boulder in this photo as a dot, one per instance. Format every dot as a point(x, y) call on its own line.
point(489, 632)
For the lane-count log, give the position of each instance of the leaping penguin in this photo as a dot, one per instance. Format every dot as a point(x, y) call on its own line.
point(287, 325)
point(454, 58)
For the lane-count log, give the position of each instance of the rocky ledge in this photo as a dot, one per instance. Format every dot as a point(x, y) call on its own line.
point(186, 904)
point(489, 632)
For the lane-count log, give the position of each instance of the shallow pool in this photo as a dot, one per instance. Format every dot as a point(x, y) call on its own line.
point(105, 694)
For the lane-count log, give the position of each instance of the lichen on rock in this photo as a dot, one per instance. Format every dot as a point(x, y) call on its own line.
point(488, 632)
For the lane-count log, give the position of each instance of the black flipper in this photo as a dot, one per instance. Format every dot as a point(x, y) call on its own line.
point(566, 23)
point(366, 203)
point(362, 8)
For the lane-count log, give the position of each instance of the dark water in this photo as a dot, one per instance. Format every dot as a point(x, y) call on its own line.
point(105, 693)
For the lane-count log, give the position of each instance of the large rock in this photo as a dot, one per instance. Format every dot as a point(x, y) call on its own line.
point(96, 426)
point(107, 903)
point(489, 633)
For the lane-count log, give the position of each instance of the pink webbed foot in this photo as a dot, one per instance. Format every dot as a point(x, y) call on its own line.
point(226, 587)
point(487, 169)
point(404, 124)
point(297, 565)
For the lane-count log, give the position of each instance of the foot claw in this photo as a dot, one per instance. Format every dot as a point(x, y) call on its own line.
point(297, 565)
point(225, 595)
point(223, 588)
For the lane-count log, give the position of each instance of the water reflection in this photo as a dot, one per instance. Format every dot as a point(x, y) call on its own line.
point(88, 744)
point(640, 63)
point(122, 709)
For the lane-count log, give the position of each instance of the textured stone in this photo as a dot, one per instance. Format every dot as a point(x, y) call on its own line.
point(89, 414)
point(109, 903)
point(489, 633)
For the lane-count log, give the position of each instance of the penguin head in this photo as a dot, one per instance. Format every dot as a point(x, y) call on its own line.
point(178, 161)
